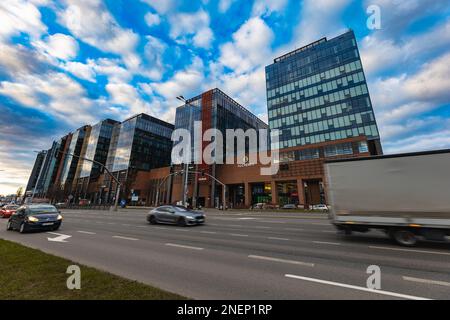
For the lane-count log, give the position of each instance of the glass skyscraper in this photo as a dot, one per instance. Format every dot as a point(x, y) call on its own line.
point(218, 111)
point(318, 93)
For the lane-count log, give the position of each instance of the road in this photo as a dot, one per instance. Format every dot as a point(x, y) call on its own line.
point(247, 256)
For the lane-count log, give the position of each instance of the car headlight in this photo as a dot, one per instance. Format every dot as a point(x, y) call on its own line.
point(59, 217)
point(190, 217)
point(33, 219)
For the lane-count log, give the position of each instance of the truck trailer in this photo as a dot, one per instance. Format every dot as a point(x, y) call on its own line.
point(406, 195)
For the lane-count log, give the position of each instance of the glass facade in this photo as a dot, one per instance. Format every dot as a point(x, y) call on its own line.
point(70, 162)
point(318, 93)
point(97, 148)
point(141, 143)
point(225, 113)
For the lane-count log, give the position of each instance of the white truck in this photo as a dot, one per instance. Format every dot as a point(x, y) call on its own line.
point(406, 195)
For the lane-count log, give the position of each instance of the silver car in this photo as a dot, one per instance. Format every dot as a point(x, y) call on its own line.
point(178, 215)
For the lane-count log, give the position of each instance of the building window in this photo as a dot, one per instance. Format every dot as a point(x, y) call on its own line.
point(363, 147)
point(338, 150)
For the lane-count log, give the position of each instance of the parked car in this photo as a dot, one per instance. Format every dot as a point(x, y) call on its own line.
point(8, 210)
point(35, 217)
point(178, 215)
point(320, 207)
point(289, 206)
point(61, 205)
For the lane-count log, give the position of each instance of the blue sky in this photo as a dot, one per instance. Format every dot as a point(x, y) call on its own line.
point(71, 62)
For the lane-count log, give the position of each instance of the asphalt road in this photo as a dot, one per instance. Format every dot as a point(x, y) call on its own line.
point(247, 256)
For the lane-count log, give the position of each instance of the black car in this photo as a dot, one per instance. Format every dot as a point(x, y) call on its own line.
point(35, 217)
point(175, 215)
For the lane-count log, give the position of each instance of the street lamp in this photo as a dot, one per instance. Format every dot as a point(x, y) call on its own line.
point(116, 202)
point(186, 170)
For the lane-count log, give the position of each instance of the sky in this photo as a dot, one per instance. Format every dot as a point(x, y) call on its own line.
point(67, 63)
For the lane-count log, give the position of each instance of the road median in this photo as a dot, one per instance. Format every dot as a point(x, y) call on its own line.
point(27, 273)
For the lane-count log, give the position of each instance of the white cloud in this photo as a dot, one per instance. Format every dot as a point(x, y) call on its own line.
point(184, 82)
point(44, 92)
point(152, 19)
point(380, 53)
point(161, 6)
point(224, 5)
point(126, 95)
point(58, 45)
point(80, 70)
point(267, 7)
point(18, 16)
point(420, 142)
point(153, 51)
point(92, 23)
point(111, 68)
point(184, 26)
point(250, 47)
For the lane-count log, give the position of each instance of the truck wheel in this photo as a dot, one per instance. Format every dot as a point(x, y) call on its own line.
point(404, 237)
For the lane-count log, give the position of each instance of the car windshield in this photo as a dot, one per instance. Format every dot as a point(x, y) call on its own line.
point(182, 209)
point(42, 210)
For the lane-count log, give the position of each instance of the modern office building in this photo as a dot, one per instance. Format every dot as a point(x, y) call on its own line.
point(34, 176)
point(318, 93)
point(138, 144)
point(95, 147)
point(70, 163)
point(215, 110)
point(48, 169)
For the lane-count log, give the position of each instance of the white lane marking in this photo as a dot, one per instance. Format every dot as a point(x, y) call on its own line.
point(325, 242)
point(238, 235)
point(281, 260)
point(234, 225)
point(427, 281)
point(182, 230)
point(272, 221)
point(208, 232)
point(275, 238)
point(60, 237)
point(261, 227)
point(348, 286)
point(182, 246)
point(246, 218)
point(411, 250)
point(86, 232)
point(160, 228)
point(125, 238)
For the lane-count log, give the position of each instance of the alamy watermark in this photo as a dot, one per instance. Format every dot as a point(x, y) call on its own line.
point(241, 147)
point(74, 280)
point(374, 19)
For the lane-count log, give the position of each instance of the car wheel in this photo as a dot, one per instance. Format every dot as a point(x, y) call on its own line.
point(404, 237)
point(181, 222)
point(22, 228)
point(9, 226)
point(152, 220)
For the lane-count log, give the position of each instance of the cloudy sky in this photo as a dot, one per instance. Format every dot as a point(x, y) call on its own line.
point(71, 62)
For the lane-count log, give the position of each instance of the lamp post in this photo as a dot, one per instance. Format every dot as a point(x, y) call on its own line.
point(186, 165)
point(116, 201)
